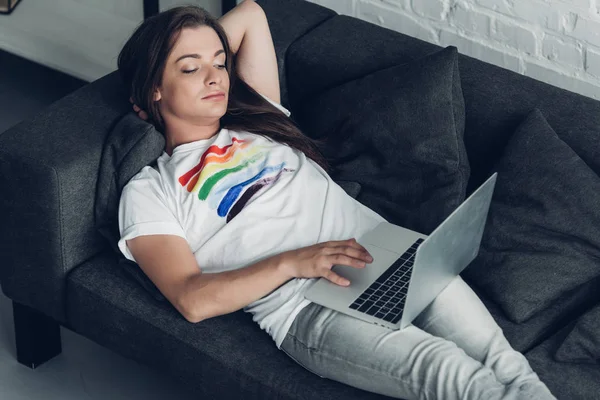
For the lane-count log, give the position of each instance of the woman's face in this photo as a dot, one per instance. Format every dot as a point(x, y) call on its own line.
point(193, 71)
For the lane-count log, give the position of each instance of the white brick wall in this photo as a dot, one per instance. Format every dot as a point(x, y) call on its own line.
point(593, 62)
point(555, 41)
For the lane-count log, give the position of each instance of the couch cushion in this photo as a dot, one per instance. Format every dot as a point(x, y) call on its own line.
point(565, 380)
point(542, 237)
point(526, 335)
point(398, 132)
point(582, 345)
point(224, 357)
point(343, 49)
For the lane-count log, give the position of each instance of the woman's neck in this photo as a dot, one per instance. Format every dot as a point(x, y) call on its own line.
point(181, 133)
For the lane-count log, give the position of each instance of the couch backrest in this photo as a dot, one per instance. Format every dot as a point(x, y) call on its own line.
point(344, 48)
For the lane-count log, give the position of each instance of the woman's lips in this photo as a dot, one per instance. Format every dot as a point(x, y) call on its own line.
point(215, 97)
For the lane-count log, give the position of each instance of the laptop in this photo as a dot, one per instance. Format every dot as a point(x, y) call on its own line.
point(409, 269)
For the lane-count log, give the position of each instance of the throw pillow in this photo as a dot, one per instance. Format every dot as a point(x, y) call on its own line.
point(582, 344)
point(542, 236)
point(132, 144)
point(398, 132)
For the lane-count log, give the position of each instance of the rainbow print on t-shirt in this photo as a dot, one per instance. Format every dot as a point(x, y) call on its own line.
point(226, 176)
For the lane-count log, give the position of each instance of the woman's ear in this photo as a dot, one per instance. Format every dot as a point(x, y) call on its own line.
point(157, 95)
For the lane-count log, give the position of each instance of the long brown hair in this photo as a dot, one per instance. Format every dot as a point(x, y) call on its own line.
point(142, 62)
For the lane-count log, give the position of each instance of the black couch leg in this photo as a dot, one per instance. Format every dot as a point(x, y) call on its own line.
point(37, 336)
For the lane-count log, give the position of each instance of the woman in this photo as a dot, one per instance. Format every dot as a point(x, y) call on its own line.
point(241, 213)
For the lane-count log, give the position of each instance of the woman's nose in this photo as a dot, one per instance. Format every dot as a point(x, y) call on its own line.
point(214, 77)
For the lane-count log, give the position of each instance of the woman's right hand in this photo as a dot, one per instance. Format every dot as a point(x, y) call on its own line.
point(317, 260)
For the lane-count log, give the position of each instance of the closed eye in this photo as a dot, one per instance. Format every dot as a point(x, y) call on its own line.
point(191, 71)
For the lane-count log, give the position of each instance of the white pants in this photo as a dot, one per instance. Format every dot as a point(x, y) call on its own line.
point(454, 350)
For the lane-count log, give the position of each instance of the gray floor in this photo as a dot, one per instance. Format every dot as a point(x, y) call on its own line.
point(84, 370)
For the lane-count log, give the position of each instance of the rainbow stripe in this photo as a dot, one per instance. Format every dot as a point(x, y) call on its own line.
point(223, 173)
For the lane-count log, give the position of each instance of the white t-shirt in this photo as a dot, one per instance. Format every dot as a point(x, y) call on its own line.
point(238, 198)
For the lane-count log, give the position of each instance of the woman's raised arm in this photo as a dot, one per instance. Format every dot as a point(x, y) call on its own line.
point(250, 39)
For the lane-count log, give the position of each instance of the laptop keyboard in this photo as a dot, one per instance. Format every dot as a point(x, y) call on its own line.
point(386, 296)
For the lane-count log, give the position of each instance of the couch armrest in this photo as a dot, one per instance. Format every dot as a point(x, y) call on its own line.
point(48, 172)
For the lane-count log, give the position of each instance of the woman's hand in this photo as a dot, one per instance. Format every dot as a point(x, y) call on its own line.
point(317, 260)
point(141, 113)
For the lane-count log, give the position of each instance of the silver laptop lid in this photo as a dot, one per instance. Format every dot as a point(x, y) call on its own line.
point(447, 251)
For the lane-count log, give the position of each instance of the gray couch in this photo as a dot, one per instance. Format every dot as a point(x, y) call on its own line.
point(58, 270)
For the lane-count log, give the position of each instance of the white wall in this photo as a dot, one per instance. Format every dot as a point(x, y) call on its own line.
point(554, 41)
point(79, 37)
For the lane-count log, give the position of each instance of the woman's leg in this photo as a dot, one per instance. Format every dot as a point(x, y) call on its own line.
point(408, 363)
point(457, 314)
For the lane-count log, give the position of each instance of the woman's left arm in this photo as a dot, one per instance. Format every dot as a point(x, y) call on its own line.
point(250, 39)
